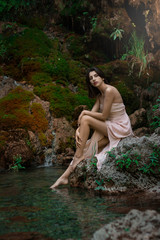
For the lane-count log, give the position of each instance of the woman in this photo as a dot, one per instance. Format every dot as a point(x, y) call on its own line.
point(107, 118)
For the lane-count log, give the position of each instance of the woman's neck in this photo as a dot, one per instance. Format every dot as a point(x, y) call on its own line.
point(102, 88)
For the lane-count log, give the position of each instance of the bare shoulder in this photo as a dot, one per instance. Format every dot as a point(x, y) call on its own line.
point(112, 91)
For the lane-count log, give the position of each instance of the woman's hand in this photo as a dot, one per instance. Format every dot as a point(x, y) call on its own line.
point(78, 139)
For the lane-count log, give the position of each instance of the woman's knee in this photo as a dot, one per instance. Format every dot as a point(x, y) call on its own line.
point(85, 119)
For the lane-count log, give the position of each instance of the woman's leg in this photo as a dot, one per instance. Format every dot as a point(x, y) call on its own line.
point(87, 122)
point(102, 143)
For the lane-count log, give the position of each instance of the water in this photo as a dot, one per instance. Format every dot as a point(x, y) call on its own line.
point(28, 205)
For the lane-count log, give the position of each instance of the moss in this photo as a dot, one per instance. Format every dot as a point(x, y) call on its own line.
point(75, 45)
point(62, 100)
point(29, 43)
point(24, 51)
point(40, 122)
point(43, 139)
point(28, 67)
point(76, 75)
point(16, 112)
point(40, 79)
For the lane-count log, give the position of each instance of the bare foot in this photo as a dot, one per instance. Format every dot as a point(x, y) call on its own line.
point(60, 181)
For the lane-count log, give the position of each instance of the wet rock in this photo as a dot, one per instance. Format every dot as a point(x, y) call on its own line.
point(126, 168)
point(136, 225)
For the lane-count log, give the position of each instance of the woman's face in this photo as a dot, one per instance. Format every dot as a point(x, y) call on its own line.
point(95, 79)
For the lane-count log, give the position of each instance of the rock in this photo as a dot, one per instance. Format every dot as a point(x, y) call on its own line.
point(139, 132)
point(136, 225)
point(44, 104)
point(127, 167)
point(29, 144)
point(6, 85)
point(138, 118)
point(16, 147)
point(64, 140)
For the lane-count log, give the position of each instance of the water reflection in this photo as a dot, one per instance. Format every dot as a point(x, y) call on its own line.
point(28, 205)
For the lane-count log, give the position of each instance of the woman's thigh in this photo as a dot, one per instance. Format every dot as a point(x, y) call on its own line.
point(95, 124)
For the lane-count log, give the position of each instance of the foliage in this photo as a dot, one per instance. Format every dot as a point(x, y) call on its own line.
point(11, 5)
point(132, 160)
point(100, 183)
point(125, 161)
point(154, 161)
point(93, 21)
point(135, 49)
point(14, 9)
point(17, 163)
point(156, 118)
point(93, 162)
point(117, 33)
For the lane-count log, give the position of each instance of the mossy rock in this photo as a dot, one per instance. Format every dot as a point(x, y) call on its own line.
point(76, 74)
point(24, 51)
point(40, 79)
point(75, 45)
point(62, 100)
point(29, 43)
point(16, 112)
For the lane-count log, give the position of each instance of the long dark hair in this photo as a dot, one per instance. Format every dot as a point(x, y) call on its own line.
point(93, 92)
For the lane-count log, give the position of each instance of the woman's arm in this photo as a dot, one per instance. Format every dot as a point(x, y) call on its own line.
point(95, 108)
point(108, 100)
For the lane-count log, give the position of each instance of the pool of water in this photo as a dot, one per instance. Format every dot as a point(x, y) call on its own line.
point(28, 205)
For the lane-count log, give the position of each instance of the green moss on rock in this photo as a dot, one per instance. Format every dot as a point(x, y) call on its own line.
point(40, 79)
point(75, 45)
point(29, 43)
point(16, 112)
point(62, 100)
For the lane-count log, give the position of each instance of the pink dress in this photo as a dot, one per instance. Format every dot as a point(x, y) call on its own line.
point(118, 126)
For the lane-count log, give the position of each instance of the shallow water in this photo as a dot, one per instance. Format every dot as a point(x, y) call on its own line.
point(28, 205)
